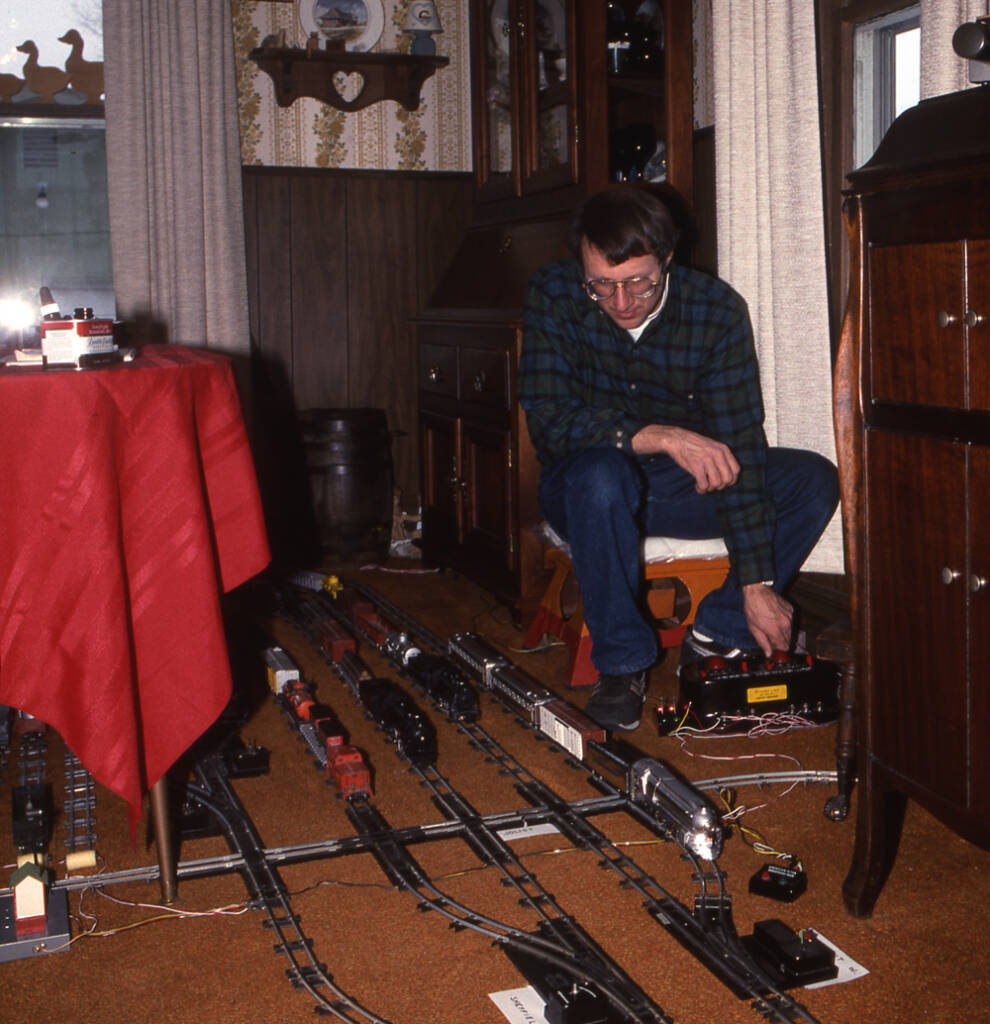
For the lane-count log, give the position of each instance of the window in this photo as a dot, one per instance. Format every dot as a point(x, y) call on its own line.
point(54, 222)
point(887, 76)
point(869, 68)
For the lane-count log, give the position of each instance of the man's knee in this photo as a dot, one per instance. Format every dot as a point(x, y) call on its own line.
point(803, 478)
point(602, 476)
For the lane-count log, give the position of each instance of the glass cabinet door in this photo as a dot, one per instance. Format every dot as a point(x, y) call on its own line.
point(495, 33)
point(551, 94)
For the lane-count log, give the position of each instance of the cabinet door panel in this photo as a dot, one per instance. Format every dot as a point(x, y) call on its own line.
point(440, 460)
point(913, 358)
point(486, 470)
point(916, 529)
point(978, 313)
point(979, 629)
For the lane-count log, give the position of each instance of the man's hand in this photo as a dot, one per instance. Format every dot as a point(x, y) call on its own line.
point(711, 463)
point(768, 616)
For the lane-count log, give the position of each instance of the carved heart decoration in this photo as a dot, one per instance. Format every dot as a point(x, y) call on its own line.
point(349, 84)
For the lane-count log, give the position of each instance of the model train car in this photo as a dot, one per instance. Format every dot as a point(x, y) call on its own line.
point(436, 677)
point(318, 726)
point(565, 724)
point(362, 614)
point(334, 639)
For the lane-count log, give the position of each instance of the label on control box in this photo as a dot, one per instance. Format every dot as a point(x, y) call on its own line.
point(757, 694)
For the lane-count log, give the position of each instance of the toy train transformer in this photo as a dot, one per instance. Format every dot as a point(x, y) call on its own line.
point(725, 695)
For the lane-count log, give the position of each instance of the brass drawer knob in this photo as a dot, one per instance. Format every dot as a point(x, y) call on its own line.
point(974, 319)
point(434, 374)
point(977, 583)
point(949, 575)
point(946, 319)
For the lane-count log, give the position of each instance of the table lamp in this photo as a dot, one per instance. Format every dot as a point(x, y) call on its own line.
point(421, 21)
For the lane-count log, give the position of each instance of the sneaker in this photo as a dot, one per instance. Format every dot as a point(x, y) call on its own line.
point(696, 647)
point(617, 701)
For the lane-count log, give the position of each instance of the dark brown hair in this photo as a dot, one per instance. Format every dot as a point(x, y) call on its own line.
point(622, 223)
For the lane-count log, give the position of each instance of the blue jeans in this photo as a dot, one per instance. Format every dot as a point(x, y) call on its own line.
point(604, 502)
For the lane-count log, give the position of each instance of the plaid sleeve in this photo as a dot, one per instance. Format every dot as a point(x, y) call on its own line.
point(732, 409)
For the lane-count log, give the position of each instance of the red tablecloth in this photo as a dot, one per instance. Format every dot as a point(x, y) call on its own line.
point(128, 500)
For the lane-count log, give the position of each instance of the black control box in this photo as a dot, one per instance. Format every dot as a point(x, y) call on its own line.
point(779, 882)
point(790, 958)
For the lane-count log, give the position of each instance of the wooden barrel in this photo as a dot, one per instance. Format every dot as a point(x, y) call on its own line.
point(349, 461)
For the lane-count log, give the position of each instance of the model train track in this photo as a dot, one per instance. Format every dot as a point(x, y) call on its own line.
point(79, 810)
point(559, 943)
point(708, 933)
point(268, 891)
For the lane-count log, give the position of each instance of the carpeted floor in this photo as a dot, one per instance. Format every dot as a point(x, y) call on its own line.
point(925, 947)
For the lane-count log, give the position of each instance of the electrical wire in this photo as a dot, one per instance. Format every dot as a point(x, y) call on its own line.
point(751, 836)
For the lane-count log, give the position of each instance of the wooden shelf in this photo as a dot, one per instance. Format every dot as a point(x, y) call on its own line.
point(385, 76)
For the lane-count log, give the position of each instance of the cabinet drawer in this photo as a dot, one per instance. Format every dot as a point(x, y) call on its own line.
point(438, 369)
point(485, 377)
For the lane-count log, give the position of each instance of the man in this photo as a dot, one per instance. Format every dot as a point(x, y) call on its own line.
point(642, 396)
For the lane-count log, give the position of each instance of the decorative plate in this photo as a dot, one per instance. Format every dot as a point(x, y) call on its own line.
point(358, 23)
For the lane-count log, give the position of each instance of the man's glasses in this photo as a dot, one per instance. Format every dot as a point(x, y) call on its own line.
point(636, 287)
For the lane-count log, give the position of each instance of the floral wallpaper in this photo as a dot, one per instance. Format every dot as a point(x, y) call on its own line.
point(382, 136)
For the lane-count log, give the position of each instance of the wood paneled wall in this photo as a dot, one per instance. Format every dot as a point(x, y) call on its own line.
point(338, 262)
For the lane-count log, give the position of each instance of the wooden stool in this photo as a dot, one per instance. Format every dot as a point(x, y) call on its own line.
point(674, 607)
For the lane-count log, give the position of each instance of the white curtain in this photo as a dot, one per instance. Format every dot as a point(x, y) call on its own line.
point(771, 235)
point(941, 69)
point(174, 171)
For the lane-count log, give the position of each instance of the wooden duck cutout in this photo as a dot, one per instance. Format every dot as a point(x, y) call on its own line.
point(86, 76)
point(10, 86)
point(44, 81)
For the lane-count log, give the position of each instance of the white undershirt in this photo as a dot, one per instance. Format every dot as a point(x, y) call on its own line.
point(637, 331)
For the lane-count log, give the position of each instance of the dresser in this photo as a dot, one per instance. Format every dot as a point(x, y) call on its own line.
point(912, 411)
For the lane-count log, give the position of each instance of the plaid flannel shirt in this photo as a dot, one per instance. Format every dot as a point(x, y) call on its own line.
point(584, 383)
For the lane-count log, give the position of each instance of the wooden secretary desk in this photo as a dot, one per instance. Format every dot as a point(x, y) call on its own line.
point(553, 110)
point(912, 405)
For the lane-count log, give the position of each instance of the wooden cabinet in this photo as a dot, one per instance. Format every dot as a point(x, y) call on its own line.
point(913, 426)
point(477, 463)
point(930, 346)
point(551, 123)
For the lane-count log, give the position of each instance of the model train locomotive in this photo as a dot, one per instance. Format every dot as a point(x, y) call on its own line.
point(435, 676)
point(392, 710)
point(318, 726)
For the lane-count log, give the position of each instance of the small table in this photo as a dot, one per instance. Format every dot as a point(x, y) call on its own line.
point(129, 503)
